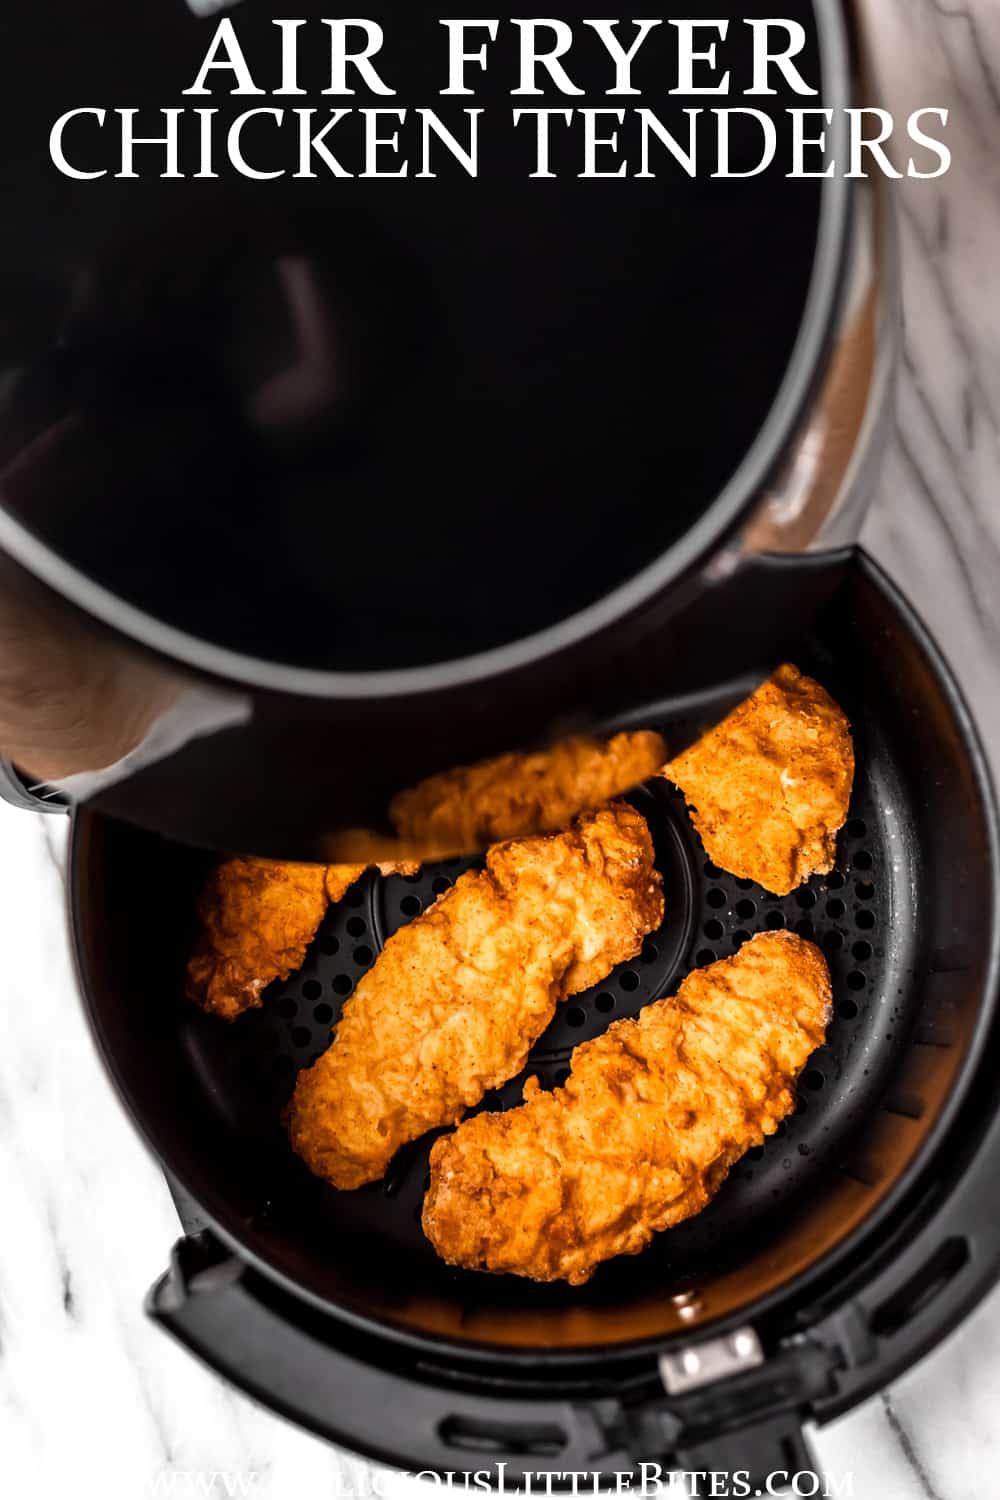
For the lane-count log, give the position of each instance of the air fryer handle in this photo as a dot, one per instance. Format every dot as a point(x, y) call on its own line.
point(313, 1371)
point(300, 1363)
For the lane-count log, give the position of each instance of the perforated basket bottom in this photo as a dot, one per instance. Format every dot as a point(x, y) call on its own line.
point(250, 1067)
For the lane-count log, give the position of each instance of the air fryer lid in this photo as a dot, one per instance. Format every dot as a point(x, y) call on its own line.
point(358, 426)
point(908, 922)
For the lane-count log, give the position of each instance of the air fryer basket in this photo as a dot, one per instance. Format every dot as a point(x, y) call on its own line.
point(908, 922)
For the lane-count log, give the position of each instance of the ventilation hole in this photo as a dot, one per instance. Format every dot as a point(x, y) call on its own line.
point(835, 908)
point(363, 955)
point(323, 1014)
point(806, 898)
point(865, 890)
point(805, 929)
point(329, 946)
point(713, 930)
point(862, 860)
point(847, 1010)
point(746, 910)
point(855, 980)
point(705, 956)
point(562, 1077)
point(650, 953)
point(288, 1007)
point(744, 884)
point(605, 1003)
point(866, 920)
point(712, 871)
point(775, 921)
point(355, 896)
point(356, 926)
point(716, 897)
point(312, 989)
point(301, 1036)
point(440, 884)
point(283, 1064)
point(575, 1016)
point(857, 828)
point(862, 951)
point(629, 981)
point(833, 942)
point(835, 882)
point(410, 906)
point(814, 1080)
point(739, 938)
point(343, 985)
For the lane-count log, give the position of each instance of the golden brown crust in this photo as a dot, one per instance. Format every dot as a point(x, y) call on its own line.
point(456, 999)
point(770, 787)
point(653, 1116)
point(513, 796)
point(258, 917)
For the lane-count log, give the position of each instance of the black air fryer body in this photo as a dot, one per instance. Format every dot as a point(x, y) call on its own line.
point(410, 473)
point(832, 1257)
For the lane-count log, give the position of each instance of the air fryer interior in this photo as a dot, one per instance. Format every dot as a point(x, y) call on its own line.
point(906, 924)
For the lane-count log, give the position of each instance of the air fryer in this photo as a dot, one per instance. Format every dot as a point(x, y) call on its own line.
point(398, 476)
point(400, 481)
point(831, 1259)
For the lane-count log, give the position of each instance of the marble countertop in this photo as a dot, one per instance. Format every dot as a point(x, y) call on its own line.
point(93, 1400)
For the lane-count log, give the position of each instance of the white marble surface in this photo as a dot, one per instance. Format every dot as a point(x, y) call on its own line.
point(95, 1402)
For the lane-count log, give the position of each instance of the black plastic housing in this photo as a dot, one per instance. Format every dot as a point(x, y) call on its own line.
point(866, 1263)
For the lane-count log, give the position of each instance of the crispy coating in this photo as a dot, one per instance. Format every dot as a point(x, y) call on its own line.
point(516, 795)
point(258, 917)
point(464, 810)
point(456, 999)
point(643, 1134)
point(771, 786)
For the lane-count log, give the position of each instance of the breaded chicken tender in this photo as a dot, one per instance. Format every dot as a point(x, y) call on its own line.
point(643, 1134)
point(258, 917)
point(770, 787)
point(514, 796)
point(456, 999)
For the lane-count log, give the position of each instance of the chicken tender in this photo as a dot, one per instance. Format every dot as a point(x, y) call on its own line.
point(258, 917)
point(771, 786)
point(514, 796)
point(644, 1132)
point(456, 999)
